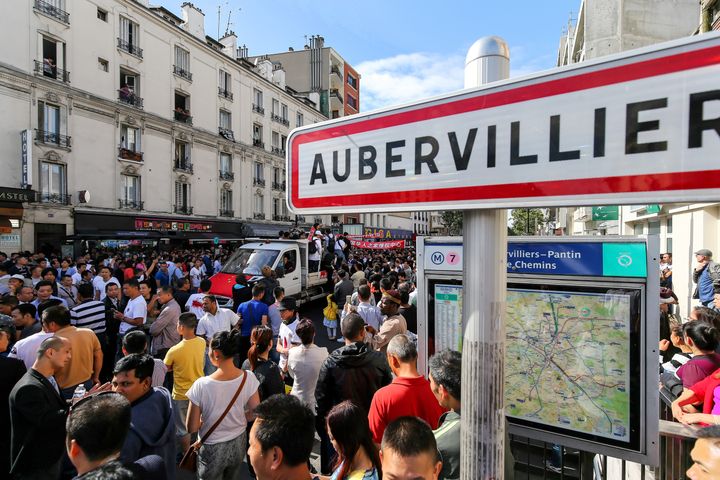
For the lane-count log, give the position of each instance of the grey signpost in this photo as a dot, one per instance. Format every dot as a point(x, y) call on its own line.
point(485, 280)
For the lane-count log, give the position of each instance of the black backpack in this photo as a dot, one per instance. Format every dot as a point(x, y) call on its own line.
point(312, 246)
point(331, 244)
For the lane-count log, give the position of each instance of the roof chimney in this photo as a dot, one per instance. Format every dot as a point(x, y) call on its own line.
point(229, 42)
point(193, 20)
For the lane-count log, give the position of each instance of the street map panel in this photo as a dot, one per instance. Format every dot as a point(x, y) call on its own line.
point(567, 360)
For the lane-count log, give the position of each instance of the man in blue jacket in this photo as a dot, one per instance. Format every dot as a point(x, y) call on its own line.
point(152, 428)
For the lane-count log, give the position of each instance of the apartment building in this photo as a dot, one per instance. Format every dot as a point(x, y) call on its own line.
point(124, 120)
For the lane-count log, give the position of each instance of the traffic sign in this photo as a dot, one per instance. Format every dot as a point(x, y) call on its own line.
point(623, 129)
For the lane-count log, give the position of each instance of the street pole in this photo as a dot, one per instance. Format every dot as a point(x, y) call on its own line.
point(485, 281)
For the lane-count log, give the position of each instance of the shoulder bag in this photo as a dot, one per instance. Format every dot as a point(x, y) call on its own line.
point(189, 460)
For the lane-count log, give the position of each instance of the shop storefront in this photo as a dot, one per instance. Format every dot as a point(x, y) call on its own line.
point(11, 217)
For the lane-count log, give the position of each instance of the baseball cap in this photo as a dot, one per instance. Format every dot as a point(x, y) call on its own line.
point(19, 277)
point(287, 303)
point(704, 252)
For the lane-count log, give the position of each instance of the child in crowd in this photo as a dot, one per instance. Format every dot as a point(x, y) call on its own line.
point(331, 313)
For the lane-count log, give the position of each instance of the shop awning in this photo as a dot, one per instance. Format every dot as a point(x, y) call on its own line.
point(266, 230)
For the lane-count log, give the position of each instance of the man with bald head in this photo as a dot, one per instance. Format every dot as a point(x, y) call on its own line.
point(38, 413)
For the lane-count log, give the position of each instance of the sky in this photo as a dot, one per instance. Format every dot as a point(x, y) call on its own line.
point(404, 50)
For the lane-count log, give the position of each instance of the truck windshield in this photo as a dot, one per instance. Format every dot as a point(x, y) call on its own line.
point(250, 261)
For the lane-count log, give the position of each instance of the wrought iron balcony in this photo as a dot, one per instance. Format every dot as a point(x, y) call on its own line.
point(55, 198)
point(183, 165)
point(52, 138)
point(53, 11)
point(47, 69)
point(183, 117)
point(225, 93)
point(279, 119)
point(226, 133)
point(127, 154)
point(278, 186)
point(258, 109)
point(183, 209)
point(334, 92)
point(227, 213)
point(130, 204)
point(258, 182)
point(258, 143)
point(281, 218)
point(225, 175)
point(128, 97)
point(278, 151)
point(259, 216)
point(181, 72)
point(130, 48)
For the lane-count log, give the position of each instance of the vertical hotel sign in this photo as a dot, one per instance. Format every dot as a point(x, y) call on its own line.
point(27, 173)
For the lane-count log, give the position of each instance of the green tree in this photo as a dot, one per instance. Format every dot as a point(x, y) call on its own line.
point(526, 221)
point(453, 221)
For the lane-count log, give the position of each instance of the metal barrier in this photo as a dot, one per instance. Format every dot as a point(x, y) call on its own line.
point(536, 460)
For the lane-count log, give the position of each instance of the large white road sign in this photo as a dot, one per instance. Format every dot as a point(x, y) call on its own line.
point(630, 128)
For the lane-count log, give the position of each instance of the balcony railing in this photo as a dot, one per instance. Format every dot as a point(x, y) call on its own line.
point(130, 204)
point(52, 138)
point(227, 213)
point(181, 72)
point(130, 48)
point(258, 109)
point(258, 143)
point(129, 97)
point(47, 69)
point(278, 186)
point(55, 198)
point(183, 209)
point(259, 216)
point(278, 151)
point(225, 175)
point(334, 92)
point(52, 11)
point(183, 165)
point(127, 154)
point(279, 119)
point(258, 182)
point(225, 93)
point(281, 218)
point(226, 133)
point(183, 117)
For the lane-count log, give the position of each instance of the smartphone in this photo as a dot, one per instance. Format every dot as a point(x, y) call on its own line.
point(348, 298)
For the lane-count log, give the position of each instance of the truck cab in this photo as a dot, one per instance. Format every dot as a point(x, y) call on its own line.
point(287, 258)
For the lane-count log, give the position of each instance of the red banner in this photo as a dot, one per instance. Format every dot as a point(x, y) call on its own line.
point(378, 245)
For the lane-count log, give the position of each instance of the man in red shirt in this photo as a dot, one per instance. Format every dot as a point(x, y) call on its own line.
point(409, 394)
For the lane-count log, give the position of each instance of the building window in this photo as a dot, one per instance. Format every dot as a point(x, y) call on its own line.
point(226, 203)
point(225, 85)
point(258, 174)
point(101, 14)
point(130, 88)
point(258, 101)
point(130, 192)
point(258, 135)
point(284, 112)
point(335, 114)
point(275, 142)
point(351, 80)
point(226, 163)
point(225, 119)
point(103, 64)
point(182, 64)
point(299, 119)
point(182, 198)
point(181, 113)
point(275, 107)
point(654, 227)
point(51, 125)
point(129, 40)
point(638, 229)
point(182, 157)
point(258, 207)
point(52, 182)
point(351, 102)
point(52, 64)
point(277, 209)
point(130, 138)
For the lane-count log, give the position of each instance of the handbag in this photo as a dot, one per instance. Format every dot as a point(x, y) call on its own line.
point(189, 459)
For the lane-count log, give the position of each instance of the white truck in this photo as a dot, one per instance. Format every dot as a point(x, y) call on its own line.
point(289, 260)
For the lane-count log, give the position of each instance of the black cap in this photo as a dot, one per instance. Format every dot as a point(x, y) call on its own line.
point(287, 303)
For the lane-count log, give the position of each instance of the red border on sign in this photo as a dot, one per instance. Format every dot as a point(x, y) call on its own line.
point(603, 185)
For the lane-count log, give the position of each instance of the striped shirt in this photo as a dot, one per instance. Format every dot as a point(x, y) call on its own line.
point(90, 314)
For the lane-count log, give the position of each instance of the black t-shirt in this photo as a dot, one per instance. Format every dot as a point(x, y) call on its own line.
point(410, 315)
point(268, 374)
point(181, 298)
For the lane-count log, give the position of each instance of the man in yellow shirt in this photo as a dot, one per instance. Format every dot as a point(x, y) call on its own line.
point(185, 360)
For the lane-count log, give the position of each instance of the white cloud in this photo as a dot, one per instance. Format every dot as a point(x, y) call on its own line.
point(410, 77)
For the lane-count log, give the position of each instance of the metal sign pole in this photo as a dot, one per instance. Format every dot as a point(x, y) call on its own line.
point(485, 281)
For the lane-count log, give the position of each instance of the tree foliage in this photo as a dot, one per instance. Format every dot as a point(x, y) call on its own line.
point(526, 221)
point(453, 221)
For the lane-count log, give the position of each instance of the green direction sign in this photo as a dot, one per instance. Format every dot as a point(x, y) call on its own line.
point(653, 209)
point(624, 260)
point(605, 213)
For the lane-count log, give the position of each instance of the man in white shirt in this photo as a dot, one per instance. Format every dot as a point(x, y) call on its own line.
point(26, 349)
point(196, 274)
point(77, 276)
point(314, 257)
point(135, 313)
point(101, 281)
point(288, 337)
point(215, 319)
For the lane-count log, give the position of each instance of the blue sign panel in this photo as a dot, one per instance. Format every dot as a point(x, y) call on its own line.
point(556, 258)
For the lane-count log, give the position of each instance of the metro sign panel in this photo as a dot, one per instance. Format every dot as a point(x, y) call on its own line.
point(638, 127)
